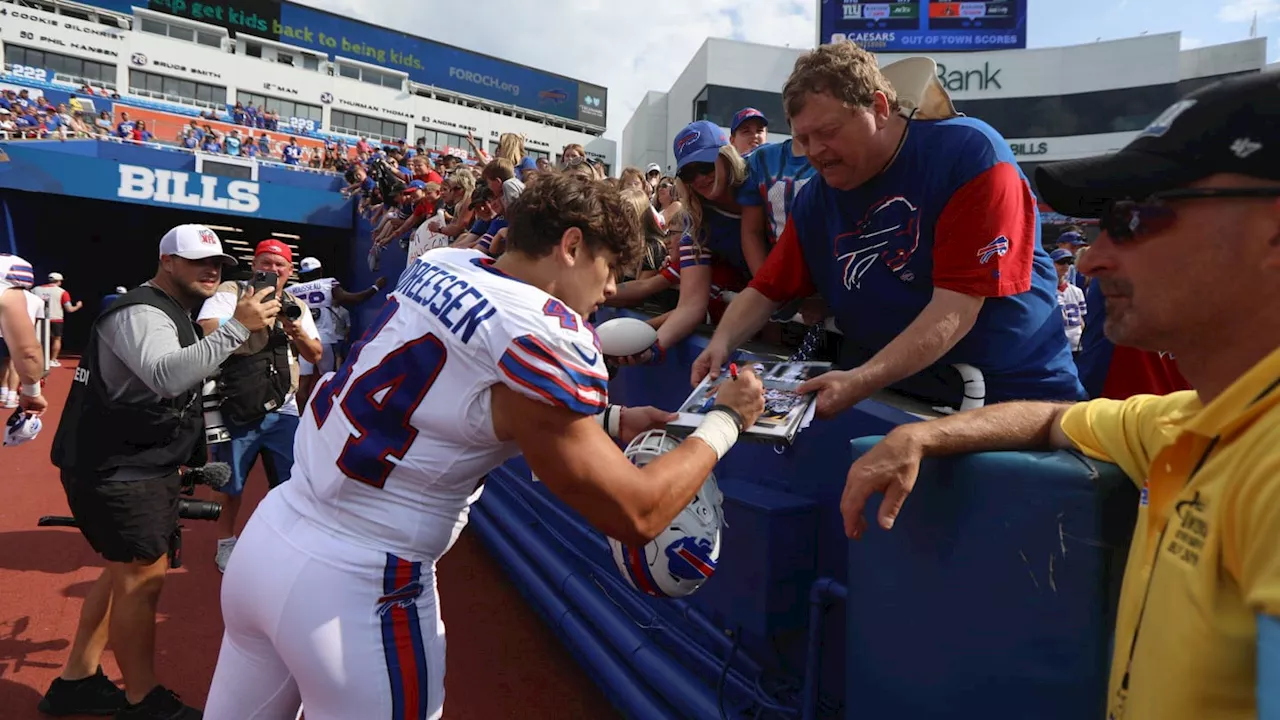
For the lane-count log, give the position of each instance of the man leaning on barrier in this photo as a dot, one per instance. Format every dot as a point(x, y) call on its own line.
point(1198, 627)
point(132, 419)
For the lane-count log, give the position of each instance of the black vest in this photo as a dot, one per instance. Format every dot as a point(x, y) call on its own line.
point(97, 435)
point(254, 385)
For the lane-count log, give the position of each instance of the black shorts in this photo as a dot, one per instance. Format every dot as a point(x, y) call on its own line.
point(125, 520)
point(55, 329)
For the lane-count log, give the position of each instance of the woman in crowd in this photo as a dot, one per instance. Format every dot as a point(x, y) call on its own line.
point(511, 149)
point(666, 200)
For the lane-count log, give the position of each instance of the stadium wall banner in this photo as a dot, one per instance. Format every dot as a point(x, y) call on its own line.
point(928, 26)
point(26, 166)
point(425, 61)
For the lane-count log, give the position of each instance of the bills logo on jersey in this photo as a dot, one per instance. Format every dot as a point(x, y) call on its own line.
point(690, 558)
point(403, 597)
point(996, 248)
point(890, 233)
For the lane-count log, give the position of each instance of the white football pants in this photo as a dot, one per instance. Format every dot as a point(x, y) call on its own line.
point(311, 619)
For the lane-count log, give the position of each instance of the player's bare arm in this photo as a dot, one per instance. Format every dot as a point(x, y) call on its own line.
point(945, 321)
point(578, 461)
point(891, 467)
point(24, 347)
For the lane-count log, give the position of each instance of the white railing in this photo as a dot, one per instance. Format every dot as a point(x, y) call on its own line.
point(166, 97)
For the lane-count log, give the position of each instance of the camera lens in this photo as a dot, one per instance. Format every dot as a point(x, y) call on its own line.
point(291, 311)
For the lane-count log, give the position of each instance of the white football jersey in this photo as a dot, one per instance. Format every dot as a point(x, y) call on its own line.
point(318, 295)
point(392, 447)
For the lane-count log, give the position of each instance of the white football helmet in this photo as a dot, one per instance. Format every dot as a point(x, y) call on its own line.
point(679, 560)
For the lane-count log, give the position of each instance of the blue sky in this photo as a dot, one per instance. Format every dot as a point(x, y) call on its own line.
point(1202, 22)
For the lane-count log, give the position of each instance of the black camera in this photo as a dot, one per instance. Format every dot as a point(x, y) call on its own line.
point(215, 475)
point(289, 307)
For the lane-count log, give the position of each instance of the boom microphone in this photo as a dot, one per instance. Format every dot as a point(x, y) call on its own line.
point(215, 474)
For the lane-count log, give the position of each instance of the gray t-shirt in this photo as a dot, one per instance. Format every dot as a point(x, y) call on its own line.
point(140, 360)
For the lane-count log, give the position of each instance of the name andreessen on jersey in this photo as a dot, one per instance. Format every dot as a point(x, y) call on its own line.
point(423, 282)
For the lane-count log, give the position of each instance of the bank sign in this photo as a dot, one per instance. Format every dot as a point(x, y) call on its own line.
point(424, 61)
point(925, 26)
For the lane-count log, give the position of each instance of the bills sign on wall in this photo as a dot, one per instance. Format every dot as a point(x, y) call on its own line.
point(931, 26)
point(425, 61)
point(150, 177)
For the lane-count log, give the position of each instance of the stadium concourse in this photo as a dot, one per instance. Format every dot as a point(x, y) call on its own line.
point(504, 661)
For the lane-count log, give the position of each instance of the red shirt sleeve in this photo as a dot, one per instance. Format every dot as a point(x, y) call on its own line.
point(984, 243)
point(66, 298)
point(784, 275)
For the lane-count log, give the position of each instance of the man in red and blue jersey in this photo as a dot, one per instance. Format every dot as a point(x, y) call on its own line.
point(922, 236)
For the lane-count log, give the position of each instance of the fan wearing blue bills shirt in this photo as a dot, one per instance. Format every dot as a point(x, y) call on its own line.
point(775, 173)
point(922, 236)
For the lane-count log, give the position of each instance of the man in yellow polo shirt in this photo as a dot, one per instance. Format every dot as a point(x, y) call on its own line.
point(1189, 262)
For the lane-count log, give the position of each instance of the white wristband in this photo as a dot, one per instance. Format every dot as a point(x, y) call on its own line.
point(718, 430)
point(32, 390)
point(611, 420)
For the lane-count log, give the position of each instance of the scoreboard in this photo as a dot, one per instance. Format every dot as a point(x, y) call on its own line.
point(925, 26)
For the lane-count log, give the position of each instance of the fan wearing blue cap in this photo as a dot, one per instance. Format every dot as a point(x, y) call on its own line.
point(750, 130)
point(710, 266)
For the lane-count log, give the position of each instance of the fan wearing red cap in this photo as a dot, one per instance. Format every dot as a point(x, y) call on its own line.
point(259, 385)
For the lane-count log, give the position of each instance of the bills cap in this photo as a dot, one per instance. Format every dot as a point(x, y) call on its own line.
point(744, 115)
point(698, 142)
point(415, 185)
point(308, 264)
point(194, 242)
point(275, 247)
point(1061, 254)
point(1228, 127)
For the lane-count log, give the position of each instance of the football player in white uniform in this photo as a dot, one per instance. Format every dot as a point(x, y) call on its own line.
point(330, 600)
point(322, 294)
point(18, 329)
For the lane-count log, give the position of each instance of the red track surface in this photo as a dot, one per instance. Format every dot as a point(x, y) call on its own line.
point(503, 660)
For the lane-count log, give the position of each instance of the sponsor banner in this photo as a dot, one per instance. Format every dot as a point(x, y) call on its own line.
point(30, 168)
point(930, 26)
point(425, 61)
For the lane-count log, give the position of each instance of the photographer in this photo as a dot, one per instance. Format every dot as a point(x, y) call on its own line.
point(132, 419)
point(258, 385)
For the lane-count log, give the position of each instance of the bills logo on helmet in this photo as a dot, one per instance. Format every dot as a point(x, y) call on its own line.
point(691, 558)
point(890, 234)
point(996, 248)
point(403, 597)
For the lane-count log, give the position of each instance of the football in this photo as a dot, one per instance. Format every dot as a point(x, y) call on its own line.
point(682, 558)
point(625, 336)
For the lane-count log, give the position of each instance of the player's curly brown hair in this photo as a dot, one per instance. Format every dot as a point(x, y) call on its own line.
point(842, 70)
point(558, 201)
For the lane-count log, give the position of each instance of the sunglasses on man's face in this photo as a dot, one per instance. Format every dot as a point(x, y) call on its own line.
point(696, 170)
point(1125, 221)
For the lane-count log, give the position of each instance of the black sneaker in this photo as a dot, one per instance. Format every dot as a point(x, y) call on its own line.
point(159, 704)
point(94, 695)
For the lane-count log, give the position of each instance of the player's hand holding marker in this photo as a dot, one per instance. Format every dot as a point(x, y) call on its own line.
point(743, 395)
